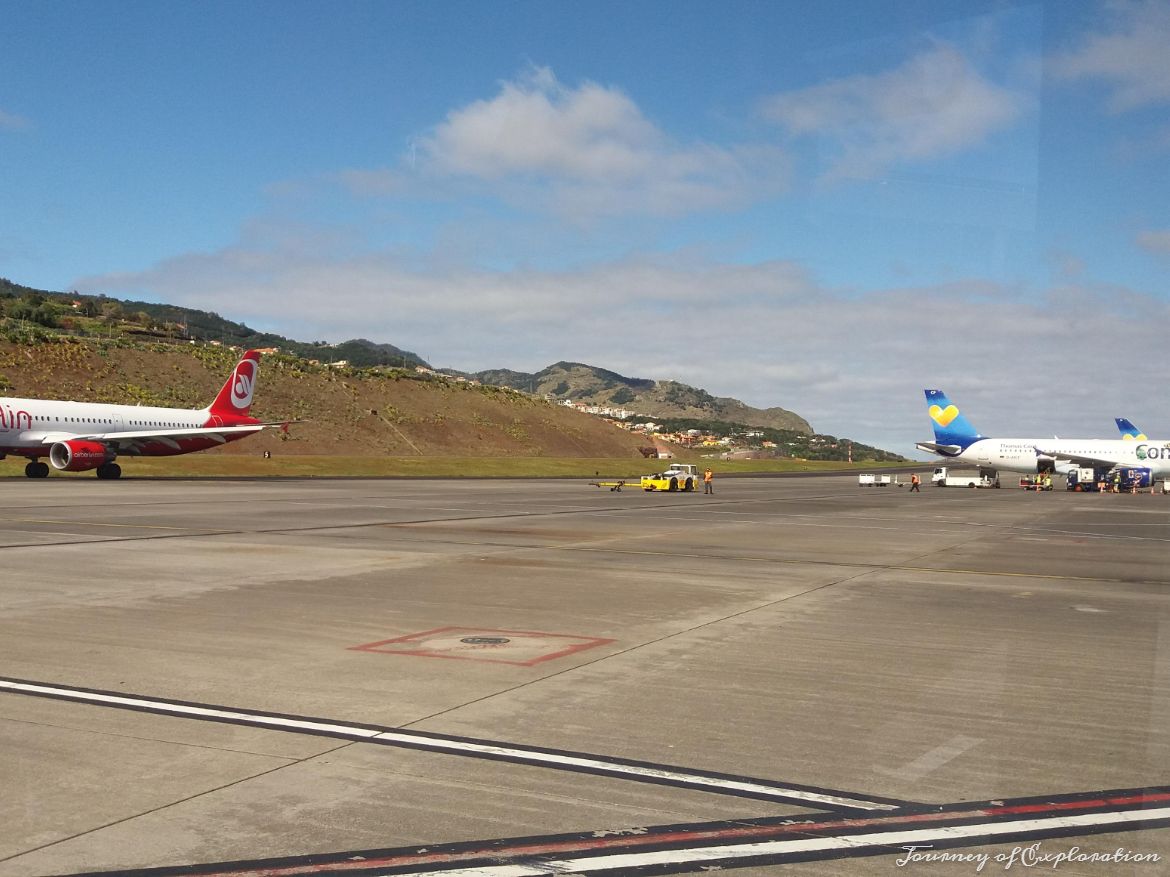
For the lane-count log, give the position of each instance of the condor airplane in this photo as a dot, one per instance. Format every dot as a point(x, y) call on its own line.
point(954, 437)
point(77, 436)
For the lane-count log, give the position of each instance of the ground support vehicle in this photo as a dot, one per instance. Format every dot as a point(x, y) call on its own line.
point(1120, 480)
point(944, 476)
point(875, 481)
point(680, 476)
point(1084, 479)
point(1036, 482)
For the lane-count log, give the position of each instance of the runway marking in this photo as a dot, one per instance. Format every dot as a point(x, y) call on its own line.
point(101, 524)
point(523, 648)
point(691, 847)
point(932, 760)
point(557, 759)
point(1119, 511)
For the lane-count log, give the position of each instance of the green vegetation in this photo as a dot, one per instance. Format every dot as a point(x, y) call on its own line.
point(23, 310)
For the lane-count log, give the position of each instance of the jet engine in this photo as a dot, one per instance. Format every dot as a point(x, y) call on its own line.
point(78, 456)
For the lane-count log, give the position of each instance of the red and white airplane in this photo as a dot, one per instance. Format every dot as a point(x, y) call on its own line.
point(77, 436)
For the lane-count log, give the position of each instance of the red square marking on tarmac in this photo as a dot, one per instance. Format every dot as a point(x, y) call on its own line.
point(524, 648)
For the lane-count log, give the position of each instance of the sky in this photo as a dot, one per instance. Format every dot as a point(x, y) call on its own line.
point(827, 207)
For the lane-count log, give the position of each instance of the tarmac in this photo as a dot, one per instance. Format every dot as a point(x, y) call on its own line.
point(514, 677)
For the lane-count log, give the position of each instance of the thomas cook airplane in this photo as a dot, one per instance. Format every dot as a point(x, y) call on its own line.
point(955, 438)
point(78, 436)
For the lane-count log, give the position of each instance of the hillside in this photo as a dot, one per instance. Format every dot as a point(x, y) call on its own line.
point(108, 317)
point(147, 319)
point(658, 400)
point(392, 412)
point(365, 399)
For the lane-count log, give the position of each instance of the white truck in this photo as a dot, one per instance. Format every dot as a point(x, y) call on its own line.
point(947, 477)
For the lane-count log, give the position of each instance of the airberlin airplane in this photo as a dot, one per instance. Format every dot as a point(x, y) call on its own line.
point(78, 436)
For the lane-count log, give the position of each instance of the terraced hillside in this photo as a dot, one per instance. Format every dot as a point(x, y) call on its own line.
point(392, 412)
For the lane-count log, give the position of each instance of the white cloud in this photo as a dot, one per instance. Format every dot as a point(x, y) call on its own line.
point(581, 153)
point(766, 333)
point(1157, 242)
point(934, 105)
point(1131, 54)
point(537, 126)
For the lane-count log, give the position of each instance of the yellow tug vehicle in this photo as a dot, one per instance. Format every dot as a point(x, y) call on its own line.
point(680, 476)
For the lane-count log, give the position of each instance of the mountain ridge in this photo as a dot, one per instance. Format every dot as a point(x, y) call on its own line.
point(592, 385)
point(563, 380)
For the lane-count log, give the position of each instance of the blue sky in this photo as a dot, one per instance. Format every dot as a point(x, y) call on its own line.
point(825, 207)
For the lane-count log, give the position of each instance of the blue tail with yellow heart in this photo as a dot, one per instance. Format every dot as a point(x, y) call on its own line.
point(1129, 431)
point(951, 428)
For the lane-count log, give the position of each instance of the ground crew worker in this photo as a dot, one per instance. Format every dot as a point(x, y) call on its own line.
point(1048, 482)
point(708, 480)
point(914, 482)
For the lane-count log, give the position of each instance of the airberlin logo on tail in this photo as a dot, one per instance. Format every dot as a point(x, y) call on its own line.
point(243, 384)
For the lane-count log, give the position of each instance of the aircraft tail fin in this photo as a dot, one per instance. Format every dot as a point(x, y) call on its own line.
point(235, 397)
point(1129, 431)
point(951, 428)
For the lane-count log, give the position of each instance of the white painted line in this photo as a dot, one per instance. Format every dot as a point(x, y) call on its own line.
point(184, 709)
point(651, 773)
point(892, 841)
point(456, 746)
point(932, 760)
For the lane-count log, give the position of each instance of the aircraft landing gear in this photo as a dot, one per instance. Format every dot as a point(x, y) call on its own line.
point(109, 470)
point(36, 469)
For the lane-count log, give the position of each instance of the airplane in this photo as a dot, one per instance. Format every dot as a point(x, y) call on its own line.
point(955, 438)
point(79, 436)
point(1129, 431)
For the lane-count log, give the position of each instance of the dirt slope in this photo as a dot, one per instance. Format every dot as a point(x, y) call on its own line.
point(392, 413)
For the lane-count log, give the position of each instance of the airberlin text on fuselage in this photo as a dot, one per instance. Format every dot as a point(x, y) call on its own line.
point(10, 419)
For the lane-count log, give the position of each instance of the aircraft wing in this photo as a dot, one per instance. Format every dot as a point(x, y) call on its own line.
point(1084, 460)
point(944, 450)
point(142, 436)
